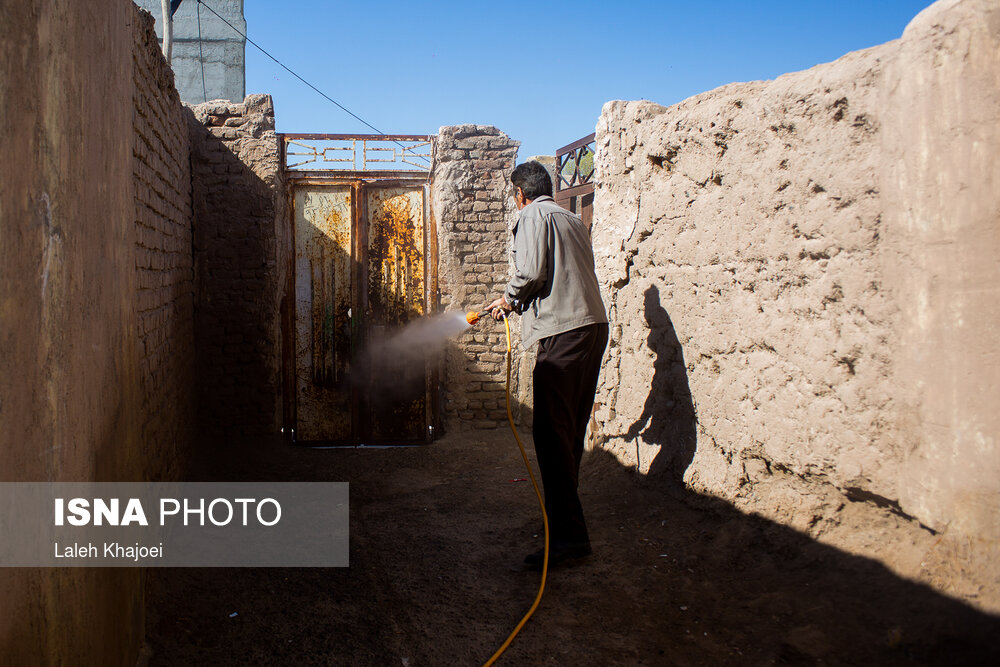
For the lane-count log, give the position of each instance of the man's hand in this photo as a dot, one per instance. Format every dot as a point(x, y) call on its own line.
point(498, 308)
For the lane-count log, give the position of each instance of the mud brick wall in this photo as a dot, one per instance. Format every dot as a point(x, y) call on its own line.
point(95, 297)
point(164, 277)
point(802, 278)
point(239, 209)
point(473, 208)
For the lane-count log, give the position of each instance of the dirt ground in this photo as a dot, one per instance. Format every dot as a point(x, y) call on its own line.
point(437, 536)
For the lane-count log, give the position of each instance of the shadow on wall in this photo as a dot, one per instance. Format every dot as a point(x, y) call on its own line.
point(235, 309)
point(801, 601)
point(668, 417)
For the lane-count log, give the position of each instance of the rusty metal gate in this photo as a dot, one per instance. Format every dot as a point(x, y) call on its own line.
point(364, 265)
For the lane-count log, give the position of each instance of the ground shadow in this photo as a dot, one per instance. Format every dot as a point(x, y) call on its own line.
point(668, 415)
point(676, 578)
point(740, 589)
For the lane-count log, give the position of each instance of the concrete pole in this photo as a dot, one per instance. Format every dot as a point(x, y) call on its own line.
point(168, 29)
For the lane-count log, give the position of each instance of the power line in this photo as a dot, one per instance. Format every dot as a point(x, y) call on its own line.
point(201, 56)
point(287, 69)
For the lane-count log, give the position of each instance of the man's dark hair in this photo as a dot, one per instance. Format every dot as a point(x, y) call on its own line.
point(533, 179)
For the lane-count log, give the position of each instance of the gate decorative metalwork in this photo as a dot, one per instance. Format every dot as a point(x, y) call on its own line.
point(574, 177)
point(357, 153)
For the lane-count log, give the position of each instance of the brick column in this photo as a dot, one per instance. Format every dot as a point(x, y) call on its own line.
point(471, 200)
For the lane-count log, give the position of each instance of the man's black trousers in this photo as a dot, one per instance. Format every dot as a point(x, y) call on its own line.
point(565, 380)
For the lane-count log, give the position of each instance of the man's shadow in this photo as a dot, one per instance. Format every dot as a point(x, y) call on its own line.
point(668, 417)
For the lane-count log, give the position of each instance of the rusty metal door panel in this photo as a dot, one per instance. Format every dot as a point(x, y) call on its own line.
point(324, 339)
point(396, 250)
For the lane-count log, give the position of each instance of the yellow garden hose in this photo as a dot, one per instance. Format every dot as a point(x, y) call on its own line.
point(541, 503)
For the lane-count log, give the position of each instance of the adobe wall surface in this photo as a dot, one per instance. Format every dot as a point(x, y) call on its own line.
point(93, 280)
point(241, 245)
point(940, 183)
point(472, 205)
point(801, 282)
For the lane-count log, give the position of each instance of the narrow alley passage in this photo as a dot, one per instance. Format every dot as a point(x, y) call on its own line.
point(437, 535)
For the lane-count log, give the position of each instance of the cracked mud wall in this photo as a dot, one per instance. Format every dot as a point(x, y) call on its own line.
point(740, 228)
point(801, 276)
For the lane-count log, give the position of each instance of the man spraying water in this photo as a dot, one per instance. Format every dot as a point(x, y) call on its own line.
point(554, 288)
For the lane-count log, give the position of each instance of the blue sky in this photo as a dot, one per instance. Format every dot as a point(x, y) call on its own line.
point(539, 71)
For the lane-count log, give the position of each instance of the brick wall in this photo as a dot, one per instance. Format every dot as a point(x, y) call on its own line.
point(95, 297)
point(163, 263)
point(471, 202)
point(239, 210)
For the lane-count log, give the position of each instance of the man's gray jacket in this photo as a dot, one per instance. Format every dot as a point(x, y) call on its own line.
point(554, 286)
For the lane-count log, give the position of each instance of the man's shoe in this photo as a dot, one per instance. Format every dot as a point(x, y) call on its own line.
point(559, 553)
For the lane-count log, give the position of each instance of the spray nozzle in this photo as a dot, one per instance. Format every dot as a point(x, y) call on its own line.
point(472, 317)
